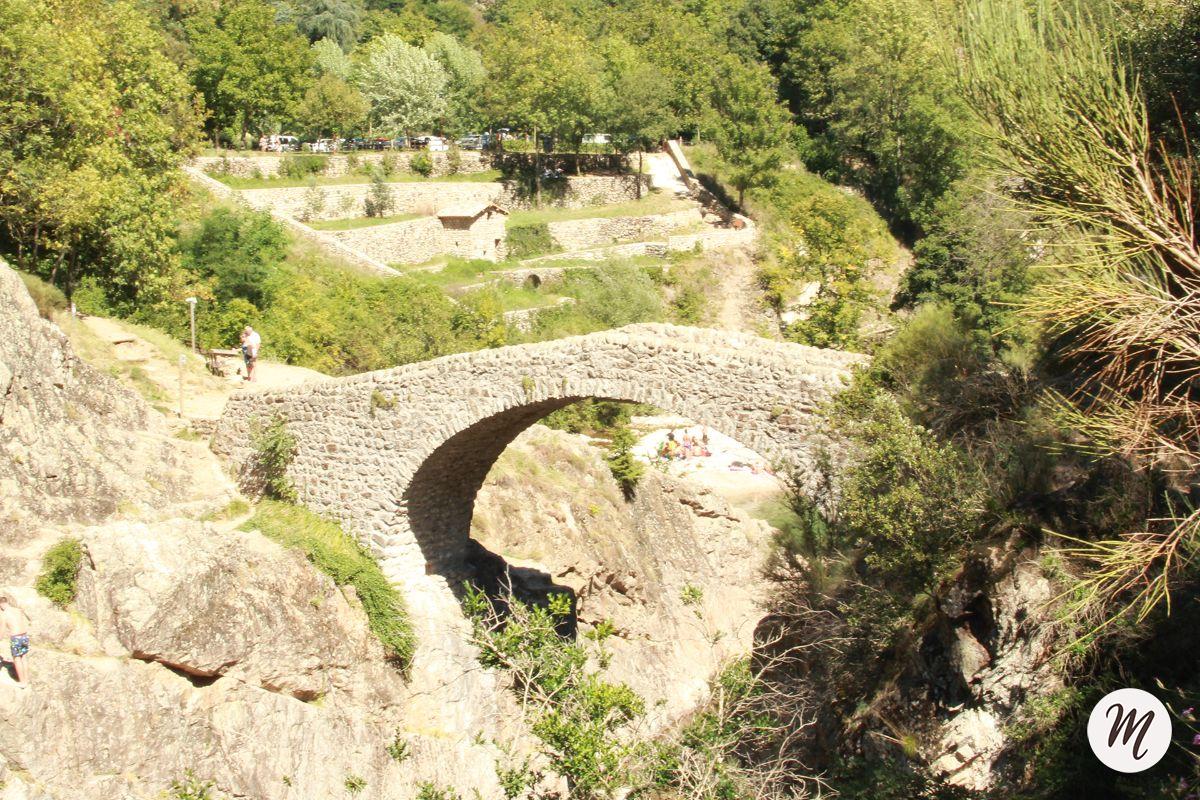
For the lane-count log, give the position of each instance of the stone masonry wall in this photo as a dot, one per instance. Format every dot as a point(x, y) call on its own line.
point(578, 234)
point(342, 201)
point(410, 242)
point(427, 197)
point(398, 455)
point(268, 166)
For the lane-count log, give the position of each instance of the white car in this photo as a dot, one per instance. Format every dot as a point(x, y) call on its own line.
point(437, 144)
point(324, 146)
point(597, 138)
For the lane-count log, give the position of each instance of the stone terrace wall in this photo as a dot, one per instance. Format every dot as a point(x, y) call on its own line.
point(714, 239)
point(581, 191)
point(408, 242)
point(341, 201)
point(427, 197)
point(268, 166)
point(578, 234)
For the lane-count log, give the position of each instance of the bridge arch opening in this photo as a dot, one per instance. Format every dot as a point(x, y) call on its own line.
point(441, 497)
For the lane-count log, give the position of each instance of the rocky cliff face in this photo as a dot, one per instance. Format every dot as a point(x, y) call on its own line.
point(677, 571)
point(73, 441)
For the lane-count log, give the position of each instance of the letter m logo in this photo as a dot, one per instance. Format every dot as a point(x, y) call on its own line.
point(1126, 725)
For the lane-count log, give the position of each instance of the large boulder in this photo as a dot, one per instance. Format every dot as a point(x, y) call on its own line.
point(232, 604)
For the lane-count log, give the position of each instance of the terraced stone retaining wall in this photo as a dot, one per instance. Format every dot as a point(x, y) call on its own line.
point(427, 197)
point(269, 166)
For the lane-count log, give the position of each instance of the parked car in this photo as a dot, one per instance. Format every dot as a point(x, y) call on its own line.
point(323, 146)
point(597, 138)
point(279, 144)
point(472, 141)
point(381, 143)
point(437, 144)
point(419, 142)
point(400, 143)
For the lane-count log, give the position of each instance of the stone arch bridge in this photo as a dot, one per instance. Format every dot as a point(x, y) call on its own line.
point(398, 455)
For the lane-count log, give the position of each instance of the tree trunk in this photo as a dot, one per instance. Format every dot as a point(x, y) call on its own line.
point(639, 173)
point(537, 168)
point(54, 269)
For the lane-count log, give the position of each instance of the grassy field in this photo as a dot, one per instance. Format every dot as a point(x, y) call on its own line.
point(651, 203)
point(235, 182)
point(351, 223)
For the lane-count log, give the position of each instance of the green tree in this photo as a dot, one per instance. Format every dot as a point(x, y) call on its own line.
point(405, 86)
point(753, 129)
point(873, 83)
point(685, 53)
point(249, 69)
point(545, 78)
point(464, 69)
point(329, 59)
point(332, 107)
point(335, 20)
point(94, 121)
point(640, 116)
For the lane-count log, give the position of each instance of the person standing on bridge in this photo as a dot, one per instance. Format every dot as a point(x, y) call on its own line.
point(251, 342)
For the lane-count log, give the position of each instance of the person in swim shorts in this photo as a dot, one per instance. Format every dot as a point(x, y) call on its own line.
point(15, 625)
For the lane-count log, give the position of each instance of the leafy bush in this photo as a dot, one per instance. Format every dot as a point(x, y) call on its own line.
point(238, 249)
point(595, 417)
point(975, 258)
point(314, 202)
point(823, 235)
point(625, 468)
point(191, 788)
point(578, 716)
point(398, 749)
point(908, 502)
point(527, 241)
point(453, 160)
point(422, 164)
point(274, 449)
point(431, 791)
point(379, 201)
point(299, 167)
point(46, 296)
point(60, 570)
point(344, 560)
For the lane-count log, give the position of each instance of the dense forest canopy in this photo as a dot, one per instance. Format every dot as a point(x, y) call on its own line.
point(1038, 382)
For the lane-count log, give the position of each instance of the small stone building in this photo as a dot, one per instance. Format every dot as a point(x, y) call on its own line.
point(473, 230)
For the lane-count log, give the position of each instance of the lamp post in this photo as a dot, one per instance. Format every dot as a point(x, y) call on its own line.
point(191, 301)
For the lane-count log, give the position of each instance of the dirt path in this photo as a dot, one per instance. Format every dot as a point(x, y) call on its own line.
point(158, 364)
point(740, 303)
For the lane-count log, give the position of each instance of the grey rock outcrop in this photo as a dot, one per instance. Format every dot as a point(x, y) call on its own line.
point(75, 444)
point(232, 604)
point(204, 651)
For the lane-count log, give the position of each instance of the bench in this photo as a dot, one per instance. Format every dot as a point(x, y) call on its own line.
point(213, 359)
